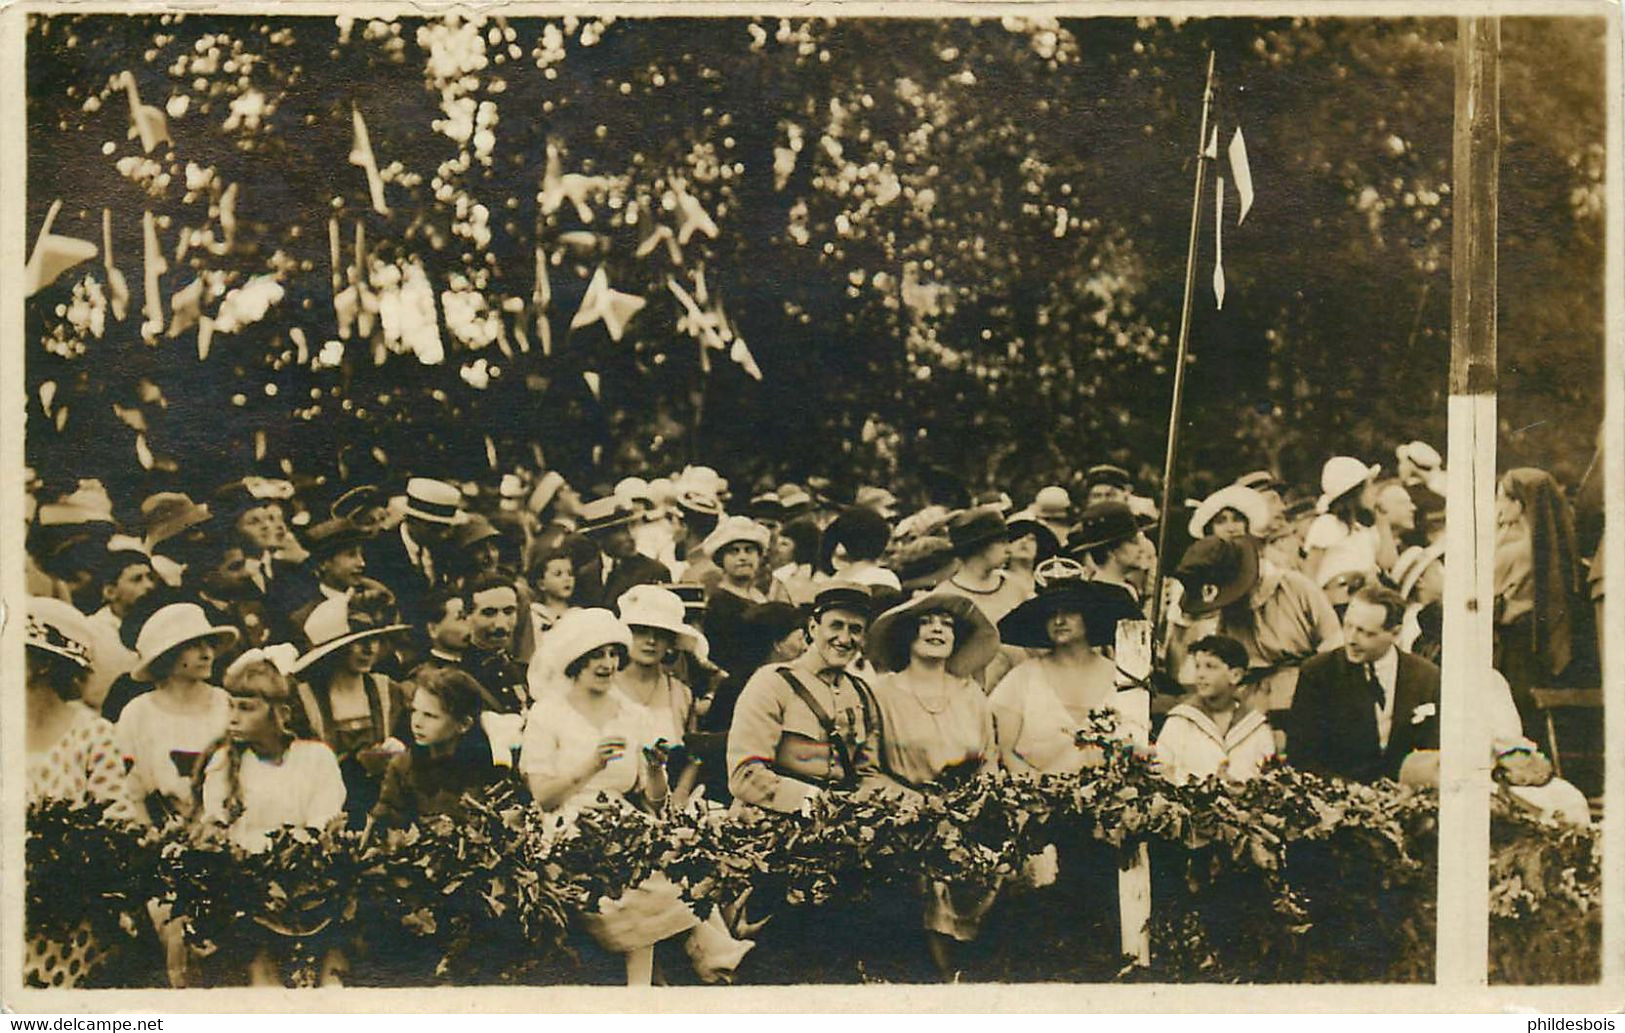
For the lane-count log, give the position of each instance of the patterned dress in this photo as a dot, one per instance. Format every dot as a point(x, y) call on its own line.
point(83, 767)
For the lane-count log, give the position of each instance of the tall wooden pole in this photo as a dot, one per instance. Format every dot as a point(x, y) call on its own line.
point(1463, 927)
point(1165, 517)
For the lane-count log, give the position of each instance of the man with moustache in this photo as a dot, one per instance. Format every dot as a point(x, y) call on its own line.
point(809, 725)
point(491, 606)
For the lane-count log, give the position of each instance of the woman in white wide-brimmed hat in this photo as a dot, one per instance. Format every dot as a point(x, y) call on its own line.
point(1346, 535)
point(582, 737)
point(162, 733)
point(71, 759)
point(349, 705)
point(1230, 512)
point(654, 616)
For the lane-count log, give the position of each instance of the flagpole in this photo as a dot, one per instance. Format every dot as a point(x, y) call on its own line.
point(1164, 514)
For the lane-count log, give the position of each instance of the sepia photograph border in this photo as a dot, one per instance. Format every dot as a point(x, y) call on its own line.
point(1462, 888)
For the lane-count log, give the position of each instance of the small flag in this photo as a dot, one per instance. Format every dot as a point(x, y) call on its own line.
point(741, 354)
point(1212, 150)
point(205, 336)
point(118, 289)
point(558, 187)
point(146, 121)
point(185, 307)
point(228, 221)
point(695, 217)
point(662, 235)
point(361, 154)
point(603, 302)
point(1242, 174)
point(53, 255)
point(594, 384)
point(1218, 247)
point(143, 454)
point(154, 267)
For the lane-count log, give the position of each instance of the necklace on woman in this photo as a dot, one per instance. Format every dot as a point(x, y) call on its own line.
point(933, 706)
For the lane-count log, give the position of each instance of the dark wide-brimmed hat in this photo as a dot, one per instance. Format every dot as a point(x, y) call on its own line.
point(1104, 523)
point(862, 531)
point(331, 536)
point(976, 641)
point(1048, 544)
point(1102, 605)
point(974, 529)
point(1216, 572)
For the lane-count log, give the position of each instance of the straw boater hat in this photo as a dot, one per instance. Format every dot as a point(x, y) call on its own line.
point(435, 501)
point(976, 642)
point(1341, 475)
point(59, 628)
point(795, 500)
point(173, 626)
point(1253, 507)
point(1412, 564)
point(994, 499)
point(334, 624)
point(1102, 606)
point(605, 513)
point(1107, 473)
point(650, 606)
point(879, 499)
point(354, 501)
point(736, 529)
point(1216, 572)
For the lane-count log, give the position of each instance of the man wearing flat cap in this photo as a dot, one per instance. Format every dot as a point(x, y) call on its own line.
point(1104, 482)
point(809, 725)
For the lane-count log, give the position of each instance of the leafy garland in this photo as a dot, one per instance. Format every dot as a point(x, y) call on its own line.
point(84, 867)
point(1256, 881)
point(1545, 898)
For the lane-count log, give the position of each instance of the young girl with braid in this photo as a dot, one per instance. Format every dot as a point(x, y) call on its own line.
point(262, 777)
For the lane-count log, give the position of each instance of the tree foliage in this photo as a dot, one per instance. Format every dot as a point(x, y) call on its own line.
point(954, 249)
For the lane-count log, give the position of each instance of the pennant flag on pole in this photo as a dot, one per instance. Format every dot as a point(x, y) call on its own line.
point(205, 336)
point(542, 299)
point(366, 297)
point(154, 266)
point(146, 121)
point(662, 235)
point(603, 302)
point(53, 255)
point(118, 289)
point(361, 154)
point(1212, 150)
point(1242, 174)
point(143, 454)
point(594, 384)
point(1218, 246)
point(740, 353)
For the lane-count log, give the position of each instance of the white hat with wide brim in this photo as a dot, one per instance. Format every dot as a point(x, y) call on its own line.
point(1244, 500)
point(328, 629)
point(1341, 475)
point(173, 626)
point(650, 606)
point(576, 634)
point(736, 529)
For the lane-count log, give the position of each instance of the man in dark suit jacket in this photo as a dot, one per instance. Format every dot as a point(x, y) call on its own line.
point(608, 524)
point(410, 558)
point(1360, 710)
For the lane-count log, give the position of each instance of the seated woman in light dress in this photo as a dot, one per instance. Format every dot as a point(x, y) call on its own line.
point(936, 726)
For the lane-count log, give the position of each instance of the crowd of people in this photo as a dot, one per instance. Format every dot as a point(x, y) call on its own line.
point(302, 655)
